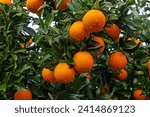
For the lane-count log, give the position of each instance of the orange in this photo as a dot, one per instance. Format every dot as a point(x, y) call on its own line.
point(148, 67)
point(101, 44)
point(129, 39)
point(48, 75)
point(77, 31)
point(123, 74)
point(29, 42)
point(94, 20)
point(8, 2)
point(34, 5)
point(117, 61)
point(113, 31)
point(137, 41)
point(64, 73)
point(83, 61)
point(63, 5)
point(139, 94)
point(22, 45)
point(23, 95)
point(88, 76)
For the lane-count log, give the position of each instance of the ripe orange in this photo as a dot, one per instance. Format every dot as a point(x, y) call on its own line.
point(29, 42)
point(63, 5)
point(77, 31)
point(139, 94)
point(117, 60)
point(123, 74)
point(23, 95)
point(48, 75)
point(64, 73)
point(22, 45)
point(83, 61)
point(137, 41)
point(101, 44)
point(88, 76)
point(113, 31)
point(34, 5)
point(148, 67)
point(8, 2)
point(94, 20)
point(129, 39)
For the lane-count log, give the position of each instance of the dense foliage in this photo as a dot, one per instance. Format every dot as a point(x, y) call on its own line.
point(21, 67)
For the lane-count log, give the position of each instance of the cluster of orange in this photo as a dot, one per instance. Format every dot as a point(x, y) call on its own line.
point(28, 43)
point(64, 73)
point(93, 21)
point(117, 61)
point(83, 60)
point(32, 5)
point(35, 6)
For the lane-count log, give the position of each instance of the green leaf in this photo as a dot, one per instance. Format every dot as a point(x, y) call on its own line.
point(23, 68)
point(76, 3)
point(38, 38)
point(132, 48)
point(14, 56)
point(70, 62)
point(37, 91)
point(19, 51)
point(58, 3)
point(42, 26)
point(126, 94)
point(49, 20)
point(29, 30)
point(18, 80)
point(71, 7)
point(3, 87)
point(130, 2)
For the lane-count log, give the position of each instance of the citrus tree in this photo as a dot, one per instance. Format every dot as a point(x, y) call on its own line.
point(81, 49)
